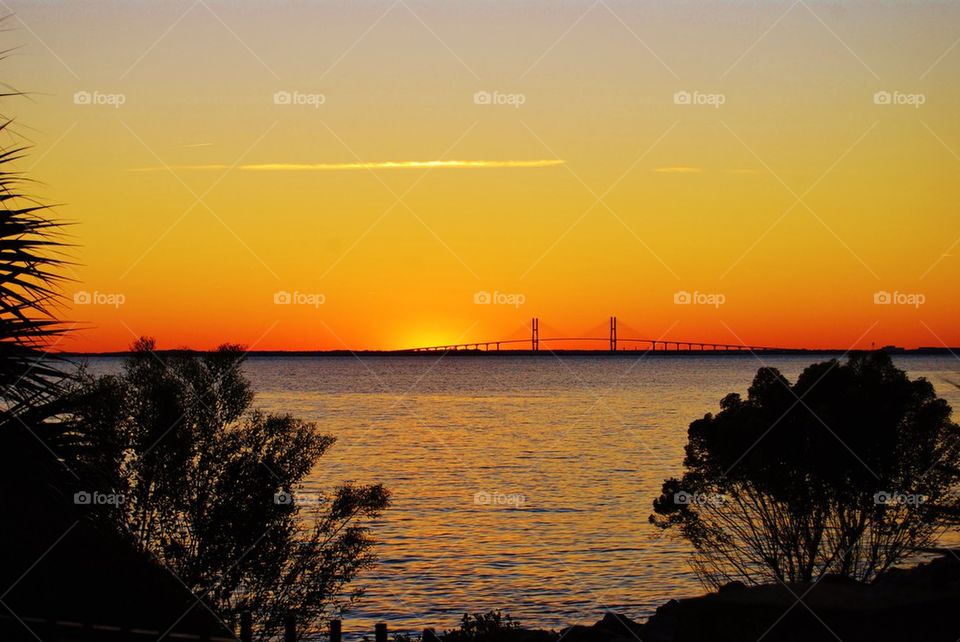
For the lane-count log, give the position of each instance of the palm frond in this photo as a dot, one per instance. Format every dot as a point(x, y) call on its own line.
point(32, 261)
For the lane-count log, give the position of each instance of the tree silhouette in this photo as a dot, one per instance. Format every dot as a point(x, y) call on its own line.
point(847, 471)
point(210, 488)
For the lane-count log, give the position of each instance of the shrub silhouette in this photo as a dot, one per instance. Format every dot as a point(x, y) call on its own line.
point(210, 488)
point(847, 471)
point(483, 627)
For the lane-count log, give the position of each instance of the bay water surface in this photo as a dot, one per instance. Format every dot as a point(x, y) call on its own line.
point(518, 483)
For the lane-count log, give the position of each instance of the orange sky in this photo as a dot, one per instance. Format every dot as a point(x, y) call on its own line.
point(600, 159)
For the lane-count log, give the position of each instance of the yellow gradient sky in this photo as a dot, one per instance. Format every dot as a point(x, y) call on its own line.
point(199, 193)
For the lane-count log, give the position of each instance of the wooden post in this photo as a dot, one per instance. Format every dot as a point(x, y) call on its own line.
point(290, 629)
point(336, 628)
point(381, 632)
point(246, 627)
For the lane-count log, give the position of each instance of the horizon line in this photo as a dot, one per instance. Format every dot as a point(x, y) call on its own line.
point(528, 351)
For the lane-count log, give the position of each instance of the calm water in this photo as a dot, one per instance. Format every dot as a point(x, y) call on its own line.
point(571, 452)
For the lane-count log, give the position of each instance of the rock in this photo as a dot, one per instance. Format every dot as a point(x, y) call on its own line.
point(662, 625)
point(909, 604)
point(735, 585)
point(611, 628)
point(938, 574)
point(620, 624)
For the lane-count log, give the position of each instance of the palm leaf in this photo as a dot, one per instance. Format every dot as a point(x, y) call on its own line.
point(32, 261)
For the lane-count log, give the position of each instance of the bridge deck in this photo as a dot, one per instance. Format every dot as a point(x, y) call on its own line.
point(651, 344)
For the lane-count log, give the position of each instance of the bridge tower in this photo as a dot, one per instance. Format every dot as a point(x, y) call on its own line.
point(613, 334)
point(535, 334)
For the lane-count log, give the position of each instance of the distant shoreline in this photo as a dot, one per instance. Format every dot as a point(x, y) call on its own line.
point(931, 351)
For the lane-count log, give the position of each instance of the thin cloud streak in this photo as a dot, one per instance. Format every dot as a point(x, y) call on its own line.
point(326, 167)
point(678, 170)
point(681, 169)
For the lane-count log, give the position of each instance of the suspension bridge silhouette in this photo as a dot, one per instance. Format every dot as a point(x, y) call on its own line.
point(613, 341)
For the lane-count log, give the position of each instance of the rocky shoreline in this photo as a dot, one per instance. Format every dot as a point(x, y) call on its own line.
point(919, 603)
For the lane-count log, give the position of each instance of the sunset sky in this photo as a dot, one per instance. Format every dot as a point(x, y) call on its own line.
point(383, 162)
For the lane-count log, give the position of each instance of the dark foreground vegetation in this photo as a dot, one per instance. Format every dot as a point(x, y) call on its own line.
point(167, 503)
